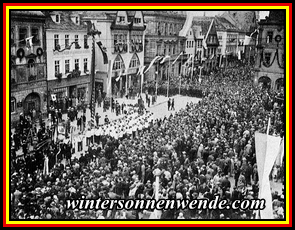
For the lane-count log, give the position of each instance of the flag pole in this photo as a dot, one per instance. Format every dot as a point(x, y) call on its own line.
point(268, 126)
point(168, 78)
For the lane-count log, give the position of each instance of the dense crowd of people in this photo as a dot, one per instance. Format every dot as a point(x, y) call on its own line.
point(198, 150)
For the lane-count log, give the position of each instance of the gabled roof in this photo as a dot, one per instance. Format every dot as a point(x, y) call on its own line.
point(65, 22)
point(223, 24)
point(204, 22)
point(26, 13)
point(108, 14)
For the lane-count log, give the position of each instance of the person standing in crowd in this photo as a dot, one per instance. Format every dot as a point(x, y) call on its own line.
point(106, 119)
point(84, 121)
point(97, 119)
point(79, 123)
point(59, 114)
point(169, 103)
point(172, 104)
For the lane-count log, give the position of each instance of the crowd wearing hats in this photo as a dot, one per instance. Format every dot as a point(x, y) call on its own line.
point(197, 150)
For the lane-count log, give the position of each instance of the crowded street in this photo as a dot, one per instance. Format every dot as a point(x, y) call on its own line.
point(147, 115)
point(195, 150)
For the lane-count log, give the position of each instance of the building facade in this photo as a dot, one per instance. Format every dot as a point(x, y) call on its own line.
point(69, 59)
point(210, 41)
point(122, 36)
point(270, 61)
point(28, 64)
point(162, 39)
point(230, 41)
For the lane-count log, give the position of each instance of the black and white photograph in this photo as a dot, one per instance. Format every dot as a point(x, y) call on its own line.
point(147, 114)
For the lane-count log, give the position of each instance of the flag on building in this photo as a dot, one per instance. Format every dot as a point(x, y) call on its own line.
point(140, 70)
point(164, 59)
point(53, 97)
point(187, 63)
point(92, 87)
point(104, 52)
point(177, 58)
point(29, 42)
point(157, 58)
point(247, 40)
point(119, 75)
point(110, 69)
point(204, 44)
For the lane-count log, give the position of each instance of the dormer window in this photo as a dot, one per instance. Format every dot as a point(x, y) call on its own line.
point(75, 19)
point(121, 19)
point(57, 19)
point(137, 20)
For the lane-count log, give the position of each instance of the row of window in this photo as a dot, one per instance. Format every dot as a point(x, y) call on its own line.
point(67, 66)
point(23, 33)
point(163, 28)
point(57, 44)
point(212, 39)
point(119, 64)
point(121, 38)
point(190, 44)
point(121, 19)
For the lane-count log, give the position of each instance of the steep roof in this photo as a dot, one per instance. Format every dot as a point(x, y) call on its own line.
point(224, 24)
point(170, 13)
point(27, 13)
point(204, 22)
point(109, 14)
point(65, 21)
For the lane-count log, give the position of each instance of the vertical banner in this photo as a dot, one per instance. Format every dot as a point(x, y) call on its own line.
point(267, 149)
point(109, 88)
point(92, 86)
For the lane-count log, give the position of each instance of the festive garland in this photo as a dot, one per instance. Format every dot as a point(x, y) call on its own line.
point(270, 64)
point(279, 64)
point(39, 52)
point(20, 53)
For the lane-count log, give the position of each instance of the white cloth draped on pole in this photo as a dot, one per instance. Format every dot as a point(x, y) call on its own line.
point(110, 69)
point(189, 60)
point(29, 42)
point(46, 167)
point(120, 74)
point(177, 58)
point(164, 59)
point(280, 157)
point(267, 150)
point(152, 62)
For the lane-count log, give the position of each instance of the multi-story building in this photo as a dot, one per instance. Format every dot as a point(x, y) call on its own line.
point(199, 45)
point(270, 61)
point(122, 36)
point(210, 41)
point(162, 39)
point(68, 59)
point(28, 64)
point(245, 21)
point(229, 41)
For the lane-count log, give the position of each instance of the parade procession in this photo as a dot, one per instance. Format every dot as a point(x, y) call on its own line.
point(135, 107)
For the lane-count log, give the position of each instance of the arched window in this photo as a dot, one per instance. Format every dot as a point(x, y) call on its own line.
point(134, 62)
point(13, 105)
point(31, 66)
point(118, 63)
